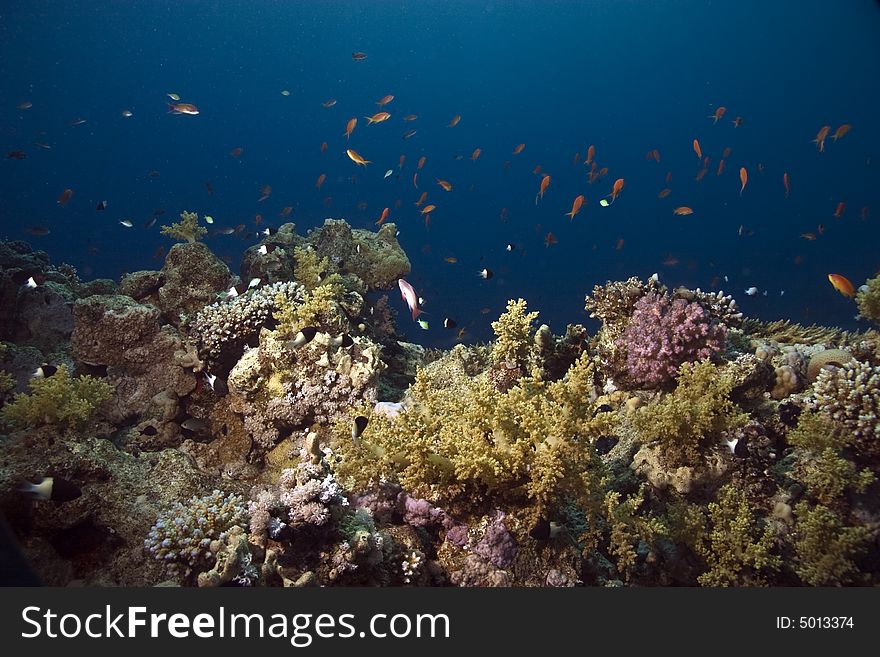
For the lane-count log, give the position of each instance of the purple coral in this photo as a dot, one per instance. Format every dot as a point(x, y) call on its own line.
point(497, 546)
point(662, 334)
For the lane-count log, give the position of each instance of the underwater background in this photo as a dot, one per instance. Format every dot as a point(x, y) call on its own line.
point(627, 77)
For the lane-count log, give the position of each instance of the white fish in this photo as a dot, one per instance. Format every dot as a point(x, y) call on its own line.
point(210, 378)
point(388, 173)
point(232, 292)
point(127, 114)
point(409, 295)
point(655, 277)
point(42, 491)
point(752, 291)
point(604, 203)
point(254, 282)
point(731, 444)
point(127, 223)
point(31, 282)
point(209, 219)
point(781, 292)
point(725, 279)
point(423, 323)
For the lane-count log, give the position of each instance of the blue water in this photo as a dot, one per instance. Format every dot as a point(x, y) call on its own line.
point(627, 77)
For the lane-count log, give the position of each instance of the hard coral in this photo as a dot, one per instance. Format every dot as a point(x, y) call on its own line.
point(868, 300)
point(60, 400)
point(663, 334)
point(850, 396)
point(187, 229)
point(310, 268)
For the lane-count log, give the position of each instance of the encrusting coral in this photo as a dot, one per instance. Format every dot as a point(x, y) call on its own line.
point(60, 400)
point(187, 229)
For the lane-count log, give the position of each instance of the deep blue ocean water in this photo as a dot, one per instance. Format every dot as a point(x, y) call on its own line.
point(625, 76)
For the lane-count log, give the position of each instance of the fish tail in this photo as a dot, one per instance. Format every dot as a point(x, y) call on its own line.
point(416, 312)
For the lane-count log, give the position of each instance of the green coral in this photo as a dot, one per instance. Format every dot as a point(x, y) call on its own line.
point(309, 269)
point(319, 307)
point(187, 229)
point(513, 329)
point(731, 540)
point(462, 442)
point(629, 529)
point(825, 547)
point(693, 416)
point(821, 465)
point(59, 400)
point(7, 382)
point(868, 300)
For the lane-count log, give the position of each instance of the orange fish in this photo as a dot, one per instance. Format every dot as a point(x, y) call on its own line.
point(668, 177)
point(576, 206)
point(664, 193)
point(743, 177)
point(698, 150)
point(576, 158)
point(619, 245)
point(820, 137)
point(321, 180)
point(519, 149)
point(383, 217)
point(720, 168)
point(843, 285)
point(349, 127)
point(428, 209)
point(454, 121)
point(285, 212)
point(258, 219)
point(237, 151)
point(323, 147)
point(591, 153)
point(329, 103)
point(656, 155)
point(683, 210)
point(450, 259)
point(701, 174)
point(841, 131)
point(378, 117)
point(537, 170)
point(841, 208)
point(545, 183)
point(446, 185)
point(718, 114)
point(402, 160)
point(422, 199)
point(475, 154)
point(550, 240)
point(422, 161)
point(786, 182)
point(356, 158)
point(384, 100)
point(616, 189)
point(65, 196)
point(726, 153)
point(173, 108)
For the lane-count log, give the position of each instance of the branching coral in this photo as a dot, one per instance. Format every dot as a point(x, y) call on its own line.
point(694, 416)
point(663, 334)
point(868, 300)
point(59, 400)
point(187, 229)
point(513, 330)
point(310, 268)
point(629, 530)
point(318, 307)
point(850, 396)
point(825, 548)
point(464, 441)
point(183, 534)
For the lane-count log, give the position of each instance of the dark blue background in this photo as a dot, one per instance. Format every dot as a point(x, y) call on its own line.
point(626, 76)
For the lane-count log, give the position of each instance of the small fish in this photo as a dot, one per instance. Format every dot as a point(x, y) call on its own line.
point(285, 92)
point(382, 217)
point(664, 193)
point(485, 274)
point(510, 247)
point(682, 210)
point(31, 283)
point(25, 105)
point(428, 208)
point(285, 212)
point(616, 189)
point(786, 182)
point(127, 223)
point(752, 291)
point(38, 231)
point(320, 180)
point(209, 219)
point(358, 56)
point(575, 206)
point(330, 102)
point(841, 208)
point(550, 240)
point(423, 324)
point(173, 97)
point(358, 427)
point(378, 117)
point(409, 134)
point(303, 337)
point(388, 173)
point(102, 205)
point(718, 114)
point(410, 117)
point(344, 341)
point(476, 154)
point(323, 147)
point(698, 150)
point(841, 131)
point(410, 297)
point(454, 122)
point(266, 249)
point(518, 149)
point(195, 425)
point(810, 237)
point(265, 192)
point(43, 145)
point(422, 199)
point(545, 183)
point(591, 154)
point(821, 136)
point(743, 177)
point(450, 259)
point(183, 108)
point(52, 488)
point(356, 158)
point(384, 100)
point(737, 122)
point(843, 285)
point(445, 184)
point(65, 196)
point(44, 371)
point(127, 114)
point(77, 121)
point(237, 151)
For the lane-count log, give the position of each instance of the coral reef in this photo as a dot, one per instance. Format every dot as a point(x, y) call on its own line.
point(868, 300)
point(187, 229)
point(191, 279)
point(850, 397)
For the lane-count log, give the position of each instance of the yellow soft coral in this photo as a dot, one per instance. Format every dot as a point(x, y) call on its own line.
point(319, 307)
point(59, 400)
point(309, 269)
point(187, 229)
point(514, 330)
